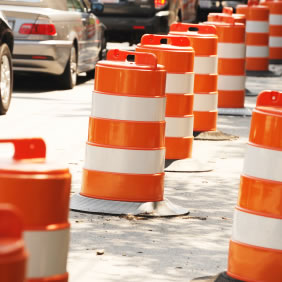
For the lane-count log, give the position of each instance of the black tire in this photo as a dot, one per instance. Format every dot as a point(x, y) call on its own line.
point(6, 78)
point(69, 77)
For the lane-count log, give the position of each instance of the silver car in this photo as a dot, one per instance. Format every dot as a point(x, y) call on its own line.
point(60, 37)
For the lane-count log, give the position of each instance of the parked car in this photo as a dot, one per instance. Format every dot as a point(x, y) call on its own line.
point(215, 6)
point(59, 37)
point(127, 20)
point(6, 69)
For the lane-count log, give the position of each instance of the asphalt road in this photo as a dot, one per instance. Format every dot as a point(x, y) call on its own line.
point(137, 249)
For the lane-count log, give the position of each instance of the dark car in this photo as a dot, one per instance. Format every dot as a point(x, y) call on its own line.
point(127, 20)
point(215, 6)
point(6, 71)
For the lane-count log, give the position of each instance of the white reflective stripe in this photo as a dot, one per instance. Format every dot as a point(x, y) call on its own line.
point(257, 51)
point(231, 82)
point(205, 65)
point(48, 252)
point(128, 108)
point(257, 230)
point(231, 50)
point(263, 163)
point(205, 102)
point(179, 127)
point(257, 27)
point(124, 160)
point(179, 83)
point(275, 41)
point(275, 19)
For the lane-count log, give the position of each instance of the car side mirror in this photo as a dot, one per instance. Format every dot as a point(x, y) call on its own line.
point(97, 7)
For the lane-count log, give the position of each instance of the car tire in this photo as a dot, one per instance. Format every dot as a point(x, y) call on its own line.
point(6, 78)
point(69, 77)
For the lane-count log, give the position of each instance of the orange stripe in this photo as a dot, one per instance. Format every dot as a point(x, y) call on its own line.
point(239, 18)
point(173, 60)
point(257, 64)
point(178, 148)
point(13, 268)
point(205, 83)
point(205, 121)
point(231, 99)
point(257, 39)
point(179, 105)
point(231, 33)
point(266, 129)
point(242, 9)
point(275, 30)
point(275, 8)
point(249, 263)
point(275, 53)
point(56, 278)
point(203, 45)
point(262, 196)
point(130, 134)
point(231, 66)
point(123, 187)
point(130, 82)
point(33, 196)
point(258, 13)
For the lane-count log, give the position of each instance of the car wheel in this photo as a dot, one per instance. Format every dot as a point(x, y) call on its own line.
point(6, 78)
point(69, 77)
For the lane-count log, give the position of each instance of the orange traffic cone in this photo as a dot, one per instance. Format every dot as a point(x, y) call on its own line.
point(255, 250)
point(125, 153)
point(203, 39)
point(177, 56)
point(257, 35)
point(13, 257)
point(40, 190)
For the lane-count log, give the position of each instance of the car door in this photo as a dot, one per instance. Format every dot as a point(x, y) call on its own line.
point(85, 30)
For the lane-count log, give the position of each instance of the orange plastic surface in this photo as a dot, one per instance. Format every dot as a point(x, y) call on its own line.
point(57, 278)
point(205, 121)
point(178, 148)
point(130, 134)
point(257, 64)
point(261, 196)
point(122, 187)
point(205, 83)
point(250, 263)
point(231, 99)
point(179, 105)
point(231, 66)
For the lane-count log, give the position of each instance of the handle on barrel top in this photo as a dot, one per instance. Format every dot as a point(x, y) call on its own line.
point(253, 2)
point(27, 148)
point(154, 39)
point(11, 222)
point(140, 58)
point(200, 28)
point(227, 10)
point(270, 98)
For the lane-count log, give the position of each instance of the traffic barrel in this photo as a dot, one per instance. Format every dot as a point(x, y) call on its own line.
point(125, 152)
point(177, 56)
point(227, 12)
point(231, 62)
point(255, 252)
point(40, 189)
point(203, 39)
point(257, 35)
point(255, 248)
point(275, 30)
point(13, 256)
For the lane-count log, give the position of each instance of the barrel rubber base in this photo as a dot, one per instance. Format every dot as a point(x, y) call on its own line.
point(222, 277)
point(151, 209)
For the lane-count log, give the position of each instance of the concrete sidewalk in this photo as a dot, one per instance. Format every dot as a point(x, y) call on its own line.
point(171, 249)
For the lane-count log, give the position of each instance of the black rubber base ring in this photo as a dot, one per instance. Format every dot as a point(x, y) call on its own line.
point(224, 277)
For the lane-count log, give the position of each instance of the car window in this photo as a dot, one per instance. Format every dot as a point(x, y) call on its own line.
point(75, 5)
